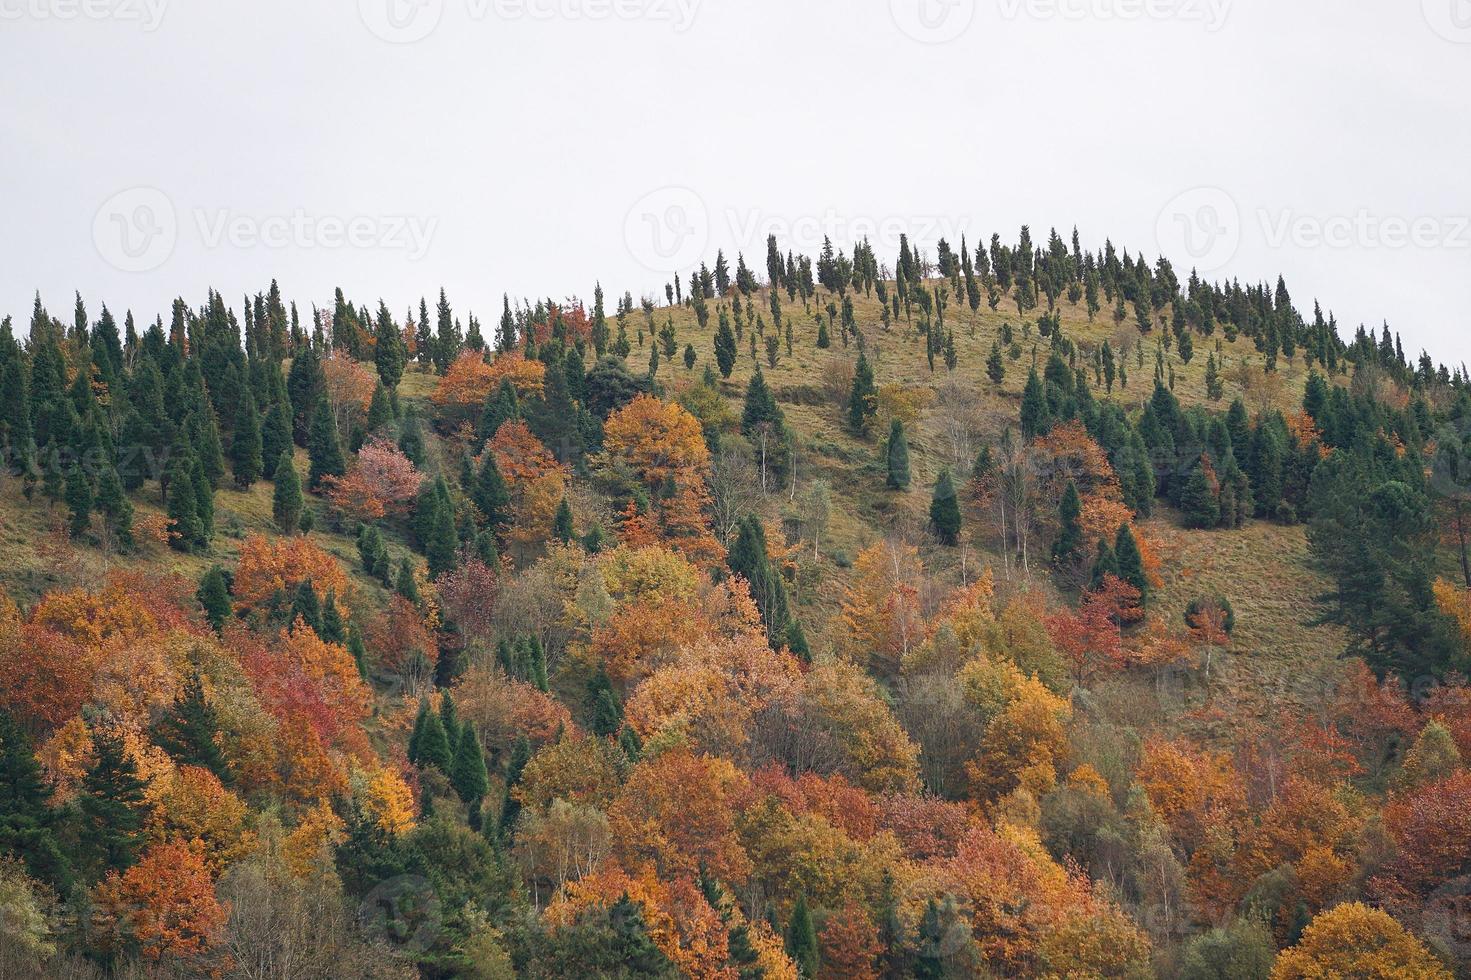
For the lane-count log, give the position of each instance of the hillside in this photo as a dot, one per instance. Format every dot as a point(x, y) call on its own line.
point(685, 665)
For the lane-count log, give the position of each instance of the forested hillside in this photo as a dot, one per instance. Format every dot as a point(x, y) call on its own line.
point(1023, 610)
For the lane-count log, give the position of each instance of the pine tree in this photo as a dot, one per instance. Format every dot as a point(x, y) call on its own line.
point(725, 345)
point(1200, 498)
point(896, 457)
point(183, 506)
point(189, 731)
point(286, 500)
point(562, 528)
point(1131, 562)
point(333, 630)
point(380, 410)
point(434, 748)
point(214, 596)
point(748, 559)
point(797, 642)
point(1036, 417)
point(995, 367)
point(27, 819)
point(1213, 387)
point(501, 407)
point(945, 510)
point(306, 607)
point(407, 584)
point(467, 769)
point(823, 340)
point(1070, 530)
point(388, 352)
point(491, 495)
point(112, 805)
point(801, 939)
point(863, 397)
point(245, 446)
point(324, 447)
point(441, 542)
point(114, 506)
point(276, 429)
point(79, 499)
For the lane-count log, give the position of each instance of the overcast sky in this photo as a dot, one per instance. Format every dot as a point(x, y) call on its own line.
point(154, 148)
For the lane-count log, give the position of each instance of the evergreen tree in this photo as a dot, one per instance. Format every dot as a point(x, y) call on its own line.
point(79, 499)
point(28, 822)
point(305, 606)
point(324, 447)
point(1131, 561)
point(1036, 413)
point(434, 748)
point(441, 542)
point(945, 510)
point(797, 641)
point(183, 506)
point(501, 407)
point(491, 495)
point(416, 738)
point(995, 367)
point(863, 397)
point(286, 499)
point(725, 345)
point(276, 429)
point(467, 769)
point(748, 559)
point(562, 528)
point(380, 410)
point(1200, 498)
point(114, 506)
point(1104, 564)
point(333, 630)
point(112, 806)
point(214, 596)
point(388, 352)
point(1070, 530)
point(801, 939)
point(411, 436)
point(245, 445)
point(189, 731)
point(896, 457)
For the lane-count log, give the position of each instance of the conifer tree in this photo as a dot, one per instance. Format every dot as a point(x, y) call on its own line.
point(801, 939)
point(945, 509)
point(407, 585)
point(1200, 498)
point(562, 528)
point(114, 506)
point(380, 410)
point(286, 499)
point(28, 822)
point(333, 630)
point(440, 541)
point(183, 506)
point(467, 769)
point(189, 731)
point(896, 457)
point(491, 495)
point(305, 606)
point(863, 397)
point(725, 345)
point(1070, 530)
point(388, 351)
point(434, 748)
point(1131, 561)
point(79, 499)
point(416, 737)
point(748, 559)
point(1036, 417)
point(411, 436)
point(995, 367)
point(324, 447)
point(245, 446)
point(214, 596)
point(112, 806)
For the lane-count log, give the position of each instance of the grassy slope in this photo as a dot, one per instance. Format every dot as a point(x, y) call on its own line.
point(1263, 569)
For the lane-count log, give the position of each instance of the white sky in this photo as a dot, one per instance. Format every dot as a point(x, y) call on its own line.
point(533, 146)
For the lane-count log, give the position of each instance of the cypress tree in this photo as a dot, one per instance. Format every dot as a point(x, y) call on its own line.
point(286, 499)
point(380, 410)
point(467, 769)
point(896, 457)
point(245, 447)
point(1131, 562)
point(324, 447)
point(725, 345)
point(388, 353)
point(862, 397)
point(995, 366)
point(801, 939)
point(823, 340)
point(945, 510)
point(1070, 530)
point(214, 596)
